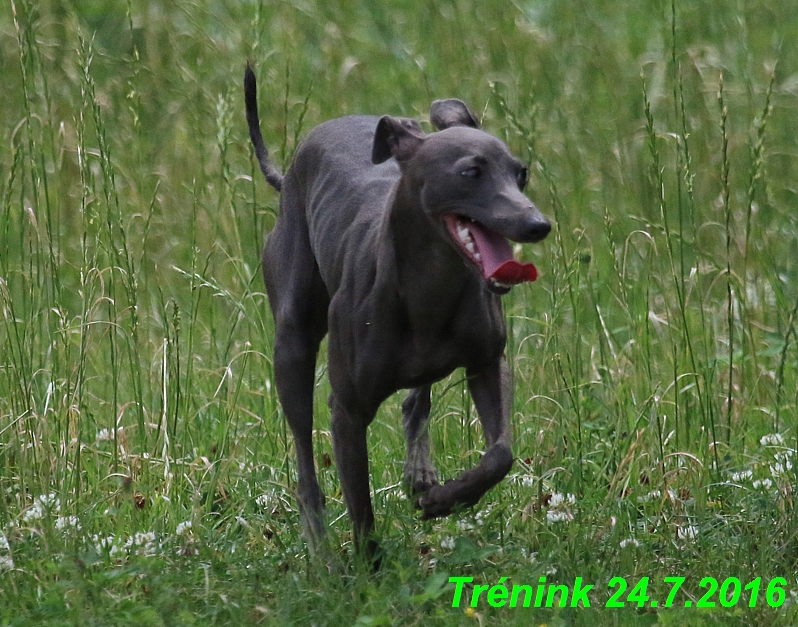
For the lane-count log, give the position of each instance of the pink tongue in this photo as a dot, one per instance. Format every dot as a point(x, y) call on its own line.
point(497, 257)
point(512, 272)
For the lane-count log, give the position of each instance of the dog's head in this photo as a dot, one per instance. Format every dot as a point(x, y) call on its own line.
point(470, 186)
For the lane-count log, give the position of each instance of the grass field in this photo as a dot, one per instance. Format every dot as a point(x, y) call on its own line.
point(146, 472)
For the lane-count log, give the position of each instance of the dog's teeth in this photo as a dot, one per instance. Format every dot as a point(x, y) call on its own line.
point(464, 234)
point(471, 248)
point(477, 256)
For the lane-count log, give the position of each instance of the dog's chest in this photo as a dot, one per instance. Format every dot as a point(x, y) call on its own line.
point(426, 360)
point(378, 345)
point(470, 340)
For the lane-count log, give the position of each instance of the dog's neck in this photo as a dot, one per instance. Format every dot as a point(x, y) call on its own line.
point(430, 275)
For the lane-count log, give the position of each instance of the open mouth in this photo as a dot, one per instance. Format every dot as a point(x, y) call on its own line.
point(490, 252)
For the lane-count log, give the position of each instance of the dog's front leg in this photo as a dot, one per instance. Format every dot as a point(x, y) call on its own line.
point(352, 459)
point(491, 390)
point(419, 474)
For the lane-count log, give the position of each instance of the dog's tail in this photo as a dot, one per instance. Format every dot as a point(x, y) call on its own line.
point(272, 174)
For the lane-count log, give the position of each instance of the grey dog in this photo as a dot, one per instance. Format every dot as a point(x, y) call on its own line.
point(394, 242)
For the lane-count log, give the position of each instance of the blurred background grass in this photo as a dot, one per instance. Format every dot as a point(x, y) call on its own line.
point(653, 354)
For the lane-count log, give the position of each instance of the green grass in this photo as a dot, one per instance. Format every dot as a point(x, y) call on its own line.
point(651, 358)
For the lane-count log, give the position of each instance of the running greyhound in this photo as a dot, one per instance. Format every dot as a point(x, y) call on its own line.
point(395, 243)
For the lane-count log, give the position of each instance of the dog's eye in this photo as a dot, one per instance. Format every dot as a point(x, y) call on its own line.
point(521, 177)
point(472, 172)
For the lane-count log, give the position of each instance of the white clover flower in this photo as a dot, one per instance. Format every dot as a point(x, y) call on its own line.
point(184, 528)
point(560, 500)
point(146, 543)
point(6, 563)
point(739, 477)
point(762, 483)
point(141, 543)
point(36, 512)
point(629, 542)
point(42, 505)
point(50, 502)
point(141, 538)
point(559, 508)
point(772, 439)
point(687, 533)
point(4, 543)
point(651, 496)
point(554, 516)
point(464, 525)
point(779, 468)
point(147, 537)
point(480, 516)
point(63, 522)
point(109, 543)
point(447, 542)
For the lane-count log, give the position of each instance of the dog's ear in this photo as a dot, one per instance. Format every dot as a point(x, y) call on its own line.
point(396, 137)
point(451, 112)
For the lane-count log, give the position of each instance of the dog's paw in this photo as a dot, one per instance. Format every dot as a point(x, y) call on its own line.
point(437, 502)
point(420, 478)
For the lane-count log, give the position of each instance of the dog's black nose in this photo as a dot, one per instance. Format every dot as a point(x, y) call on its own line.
point(537, 230)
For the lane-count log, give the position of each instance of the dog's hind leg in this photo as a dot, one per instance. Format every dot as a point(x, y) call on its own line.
point(299, 301)
point(419, 473)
